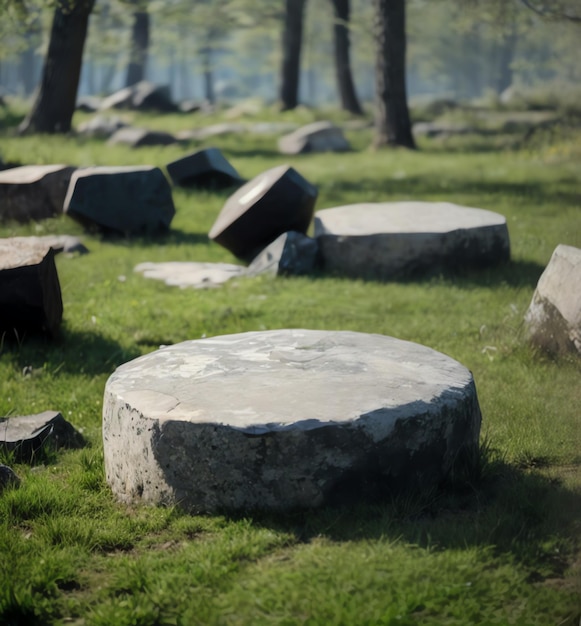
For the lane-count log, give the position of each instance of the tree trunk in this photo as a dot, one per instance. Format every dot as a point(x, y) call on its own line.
point(54, 106)
point(349, 100)
point(139, 46)
point(291, 54)
point(392, 119)
point(506, 57)
point(208, 74)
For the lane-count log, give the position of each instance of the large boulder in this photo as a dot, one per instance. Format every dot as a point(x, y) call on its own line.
point(290, 254)
point(130, 200)
point(401, 239)
point(554, 315)
point(315, 137)
point(30, 293)
point(33, 192)
point(140, 137)
point(285, 419)
point(272, 203)
point(206, 168)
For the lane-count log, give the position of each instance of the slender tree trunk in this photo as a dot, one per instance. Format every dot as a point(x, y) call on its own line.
point(507, 50)
point(292, 39)
point(392, 119)
point(139, 45)
point(208, 74)
point(349, 100)
point(53, 109)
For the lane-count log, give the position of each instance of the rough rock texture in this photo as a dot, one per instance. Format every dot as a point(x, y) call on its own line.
point(8, 478)
point(290, 254)
point(400, 239)
point(101, 126)
point(206, 168)
point(33, 192)
point(315, 137)
point(285, 419)
point(140, 137)
point(30, 293)
point(272, 203)
point(59, 243)
point(128, 200)
point(191, 274)
point(25, 436)
point(554, 315)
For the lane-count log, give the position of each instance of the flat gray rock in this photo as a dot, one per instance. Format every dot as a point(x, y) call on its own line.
point(400, 239)
point(140, 137)
point(25, 436)
point(191, 274)
point(68, 244)
point(554, 315)
point(285, 419)
point(291, 254)
point(131, 200)
point(207, 168)
point(33, 192)
point(315, 137)
point(101, 126)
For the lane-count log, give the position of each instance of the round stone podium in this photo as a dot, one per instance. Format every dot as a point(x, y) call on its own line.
point(285, 419)
point(390, 240)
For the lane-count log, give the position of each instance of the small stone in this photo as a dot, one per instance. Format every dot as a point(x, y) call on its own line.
point(191, 274)
point(140, 137)
point(101, 126)
point(207, 168)
point(8, 478)
point(291, 254)
point(315, 137)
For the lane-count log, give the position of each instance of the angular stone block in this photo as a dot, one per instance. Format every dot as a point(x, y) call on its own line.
point(8, 478)
point(285, 419)
point(130, 200)
point(30, 293)
point(140, 137)
point(25, 436)
point(400, 239)
point(143, 96)
point(191, 274)
point(554, 315)
point(33, 192)
point(272, 203)
point(291, 254)
point(207, 168)
point(315, 137)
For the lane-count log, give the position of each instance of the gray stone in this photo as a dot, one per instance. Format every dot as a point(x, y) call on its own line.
point(205, 168)
point(554, 315)
point(130, 200)
point(272, 203)
point(30, 293)
point(140, 137)
point(33, 192)
point(101, 126)
point(121, 99)
point(8, 478)
point(285, 419)
point(291, 254)
point(214, 130)
point(89, 104)
point(59, 243)
point(143, 96)
point(315, 137)
point(401, 239)
point(191, 274)
point(25, 436)
point(442, 129)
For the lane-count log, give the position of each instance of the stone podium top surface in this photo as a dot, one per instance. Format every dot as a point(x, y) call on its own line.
point(261, 382)
point(402, 217)
point(26, 174)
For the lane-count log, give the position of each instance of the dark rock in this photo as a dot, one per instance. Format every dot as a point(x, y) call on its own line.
point(33, 192)
point(127, 200)
point(143, 96)
point(207, 168)
point(25, 436)
point(315, 137)
point(30, 293)
point(101, 126)
point(139, 137)
point(272, 203)
point(89, 104)
point(290, 254)
point(8, 478)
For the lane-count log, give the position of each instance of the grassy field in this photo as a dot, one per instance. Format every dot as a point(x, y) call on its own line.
point(501, 546)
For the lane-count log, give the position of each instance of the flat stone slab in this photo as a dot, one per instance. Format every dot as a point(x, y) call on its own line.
point(554, 315)
point(33, 192)
point(102, 126)
point(284, 419)
point(207, 168)
point(140, 137)
point(191, 274)
point(68, 244)
point(130, 200)
point(316, 137)
point(25, 436)
point(400, 239)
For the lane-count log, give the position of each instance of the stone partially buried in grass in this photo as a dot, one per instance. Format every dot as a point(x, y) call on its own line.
point(191, 274)
point(315, 137)
point(554, 315)
point(30, 293)
point(393, 240)
point(207, 168)
point(291, 254)
point(285, 419)
point(33, 192)
point(131, 200)
point(272, 203)
point(140, 137)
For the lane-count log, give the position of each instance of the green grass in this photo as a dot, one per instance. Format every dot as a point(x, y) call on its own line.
point(502, 545)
